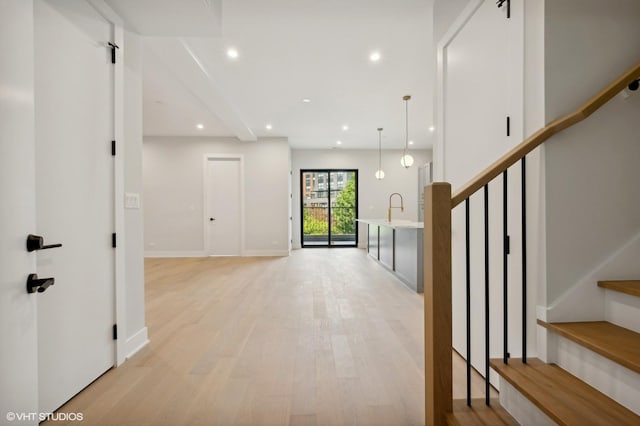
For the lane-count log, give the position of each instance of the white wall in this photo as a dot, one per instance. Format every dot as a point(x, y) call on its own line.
point(592, 206)
point(131, 149)
point(18, 333)
point(173, 188)
point(373, 194)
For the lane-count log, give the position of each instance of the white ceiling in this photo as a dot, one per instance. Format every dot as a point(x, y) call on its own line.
point(174, 18)
point(290, 50)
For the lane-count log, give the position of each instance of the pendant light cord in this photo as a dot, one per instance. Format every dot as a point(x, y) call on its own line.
point(380, 149)
point(406, 123)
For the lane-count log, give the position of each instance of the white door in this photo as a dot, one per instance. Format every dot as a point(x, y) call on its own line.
point(18, 350)
point(74, 198)
point(483, 86)
point(223, 212)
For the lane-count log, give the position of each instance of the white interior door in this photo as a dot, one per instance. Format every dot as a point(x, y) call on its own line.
point(74, 198)
point(18, 350)
point(478, 85)
point(223, 218)
point(482, 87)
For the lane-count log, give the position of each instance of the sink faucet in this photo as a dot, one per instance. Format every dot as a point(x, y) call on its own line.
point(394, 207)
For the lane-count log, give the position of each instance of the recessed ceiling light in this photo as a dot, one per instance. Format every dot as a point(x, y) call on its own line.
point(410, 142)
point(374, 57)
point(432, 128)
point(306, 100)
point(232, 52)
point(268, 127)
point(345, 127)
point(338, 142)
point(200, 126)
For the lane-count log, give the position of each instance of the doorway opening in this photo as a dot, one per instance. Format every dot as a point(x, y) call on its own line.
point(329, 208)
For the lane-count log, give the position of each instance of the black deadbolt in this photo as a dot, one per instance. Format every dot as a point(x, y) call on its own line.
point(41, 284)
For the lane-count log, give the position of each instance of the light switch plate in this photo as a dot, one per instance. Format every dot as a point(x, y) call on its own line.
point(131, 200)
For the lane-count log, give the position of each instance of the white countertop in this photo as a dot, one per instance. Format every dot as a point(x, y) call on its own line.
point(393, 224)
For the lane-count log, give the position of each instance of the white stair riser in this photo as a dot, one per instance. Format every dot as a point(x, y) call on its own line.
point(524, 411)
point(617, 382)
point(623, 310)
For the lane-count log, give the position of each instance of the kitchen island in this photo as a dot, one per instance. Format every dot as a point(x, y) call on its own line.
point(398, 246)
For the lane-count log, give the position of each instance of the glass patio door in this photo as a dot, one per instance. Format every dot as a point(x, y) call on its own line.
point(329, 208)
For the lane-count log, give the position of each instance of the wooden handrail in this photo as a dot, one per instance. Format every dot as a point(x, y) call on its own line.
point(533, 141)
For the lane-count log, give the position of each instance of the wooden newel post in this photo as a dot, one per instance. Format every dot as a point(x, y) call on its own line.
point(437, 302)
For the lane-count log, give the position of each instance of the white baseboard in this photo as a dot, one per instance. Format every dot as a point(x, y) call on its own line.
point(136, 342)
point(169, 253)
point(265, 253)
point(247, 253)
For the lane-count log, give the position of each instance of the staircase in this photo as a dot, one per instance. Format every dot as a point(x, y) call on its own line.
point(565, 399)
point(594, 378)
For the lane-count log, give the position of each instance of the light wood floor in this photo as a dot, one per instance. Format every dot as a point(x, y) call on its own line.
point(323, 337)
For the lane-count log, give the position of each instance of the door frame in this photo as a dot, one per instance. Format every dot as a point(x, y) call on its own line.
point(328, 171)
point(123, 348)
point(205, 198)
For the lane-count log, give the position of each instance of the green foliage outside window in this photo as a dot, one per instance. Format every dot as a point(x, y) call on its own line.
point(313, 225)
point(345, 213)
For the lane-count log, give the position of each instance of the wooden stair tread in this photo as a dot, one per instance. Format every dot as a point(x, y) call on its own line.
point(479, 414)
point(563, 397)
point(619, 344)
point(629, 287)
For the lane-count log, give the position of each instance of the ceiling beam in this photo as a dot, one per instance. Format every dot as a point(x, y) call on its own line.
point(185, 64)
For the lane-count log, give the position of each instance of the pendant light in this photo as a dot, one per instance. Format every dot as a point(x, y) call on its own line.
point(380, 172)
point(407, 159)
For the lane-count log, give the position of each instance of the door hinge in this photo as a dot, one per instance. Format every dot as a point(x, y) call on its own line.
point(507, 244)
point(115, 331)
point(113, 51)
point(113, 240)
point(502, 2)
point(508, 126)
point(113, 148)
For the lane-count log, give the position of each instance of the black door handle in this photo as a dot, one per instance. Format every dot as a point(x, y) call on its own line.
point(211, 219)
point(41, 284)
point(36, 242)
